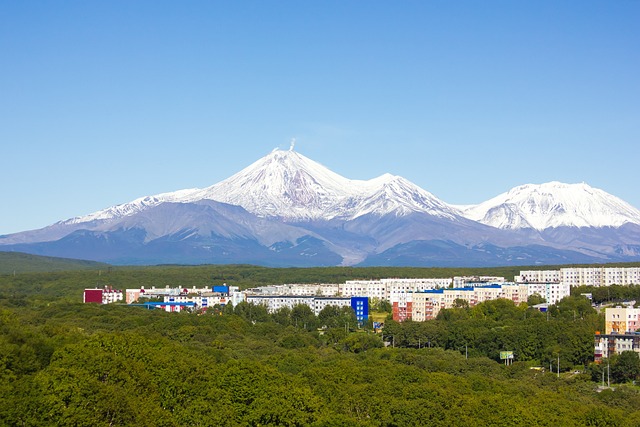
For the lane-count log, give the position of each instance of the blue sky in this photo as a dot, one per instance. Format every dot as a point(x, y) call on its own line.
point(105, 102)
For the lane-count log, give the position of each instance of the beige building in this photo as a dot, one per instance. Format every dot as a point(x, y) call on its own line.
point(620, 320)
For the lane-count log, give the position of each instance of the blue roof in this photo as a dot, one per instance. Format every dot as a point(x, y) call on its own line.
point(160, 304)
point(493, 286)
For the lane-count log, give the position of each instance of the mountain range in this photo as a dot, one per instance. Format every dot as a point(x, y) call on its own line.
point(287, 210)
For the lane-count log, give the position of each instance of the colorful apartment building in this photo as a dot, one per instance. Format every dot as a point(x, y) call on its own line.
point(621, 320)
point(422, 306)
point(622, 333)
point(609, 344)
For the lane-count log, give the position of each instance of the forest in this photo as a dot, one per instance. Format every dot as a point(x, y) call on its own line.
point(72, 364)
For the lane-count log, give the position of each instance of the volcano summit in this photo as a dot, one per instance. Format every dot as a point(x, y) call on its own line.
point(287, 210)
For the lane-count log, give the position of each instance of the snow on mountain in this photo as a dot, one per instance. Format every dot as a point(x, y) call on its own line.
point(290, 186)
point(283, 184)
point(553, 205)
point(287, 210)
point(132, 208)
point(393, 194)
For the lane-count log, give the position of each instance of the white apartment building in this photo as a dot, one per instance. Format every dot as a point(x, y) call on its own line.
point(363, 288)
point(316, 289)
point(621, 276)
point(202, 297)
point(200, 301)
point(538, 276)
point(588, 276)
point(608, 345)
point(112, 295)
point(578, 276)
point(462, 281)
point(385, 289)
point(399, 286)
point(551, 292)
point(321, 302)
point(275, 302)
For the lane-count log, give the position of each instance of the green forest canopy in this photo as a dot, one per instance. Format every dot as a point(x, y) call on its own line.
point(67, 363)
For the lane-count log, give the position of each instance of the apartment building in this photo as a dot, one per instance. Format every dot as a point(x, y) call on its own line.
point(363, 288)
point(425, 305)
point(384, 289)
point(587, 276)
point(551, 292)
point(621, 320)
point(304, 289)
point(462, 281)
point(538, 276)
point(607, 345)
point(106, 295)
point(360, 305)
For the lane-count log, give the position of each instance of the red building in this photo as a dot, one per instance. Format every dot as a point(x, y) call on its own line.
point(402, 312)
point(93, 295)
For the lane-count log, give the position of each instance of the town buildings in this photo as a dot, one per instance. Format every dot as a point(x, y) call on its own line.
point(621, 332)
point(584, 276)
point(418, 299)
point(425, 305)
point(106, 295)
point(609, 344)
point(551, 292)
point(621, 320)
point(273, 303)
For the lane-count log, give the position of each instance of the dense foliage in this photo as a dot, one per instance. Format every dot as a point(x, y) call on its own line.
point(66, 363)
point(18, 262)
point(565, 332)
point(610, 294)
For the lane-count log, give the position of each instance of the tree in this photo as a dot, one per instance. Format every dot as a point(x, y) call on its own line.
point(282, 316)
point(329, 316)
point(460, 303)
point(303, 317)
point(535, 299)
point(625, 366)
point(360, 342)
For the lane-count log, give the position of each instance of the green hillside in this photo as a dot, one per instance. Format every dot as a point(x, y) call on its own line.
point(65, 363)
point(18, 262)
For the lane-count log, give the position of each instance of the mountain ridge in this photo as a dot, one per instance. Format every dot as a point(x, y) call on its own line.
point(287, 210)
point(552, 205)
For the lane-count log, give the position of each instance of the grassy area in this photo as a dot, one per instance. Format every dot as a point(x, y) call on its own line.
point(17, 262)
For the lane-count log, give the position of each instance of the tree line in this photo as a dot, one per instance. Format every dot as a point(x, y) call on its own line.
point(66, 363)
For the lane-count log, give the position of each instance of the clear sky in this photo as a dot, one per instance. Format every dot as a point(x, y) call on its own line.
point(102, 102)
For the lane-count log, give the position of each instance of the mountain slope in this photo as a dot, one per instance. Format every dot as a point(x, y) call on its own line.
point(287, 210)
point(292, 187)
point(288, 185)
point(553, 205)
point(190, 233)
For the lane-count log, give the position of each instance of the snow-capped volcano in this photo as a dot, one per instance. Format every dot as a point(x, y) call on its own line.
point(288, 210)
point(288, 185)
point(553, 205)
point(285, 184)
